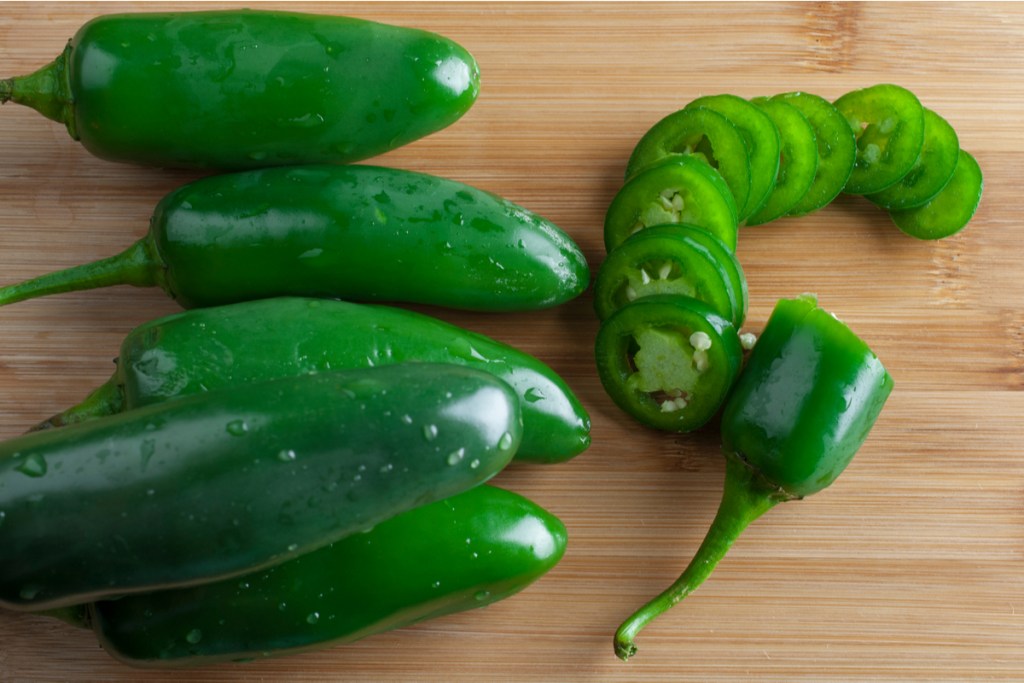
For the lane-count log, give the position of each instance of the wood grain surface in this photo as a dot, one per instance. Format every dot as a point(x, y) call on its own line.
point(911, 567)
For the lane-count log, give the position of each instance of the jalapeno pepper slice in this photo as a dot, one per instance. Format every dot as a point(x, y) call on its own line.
point(837, 150)
point(761, 139)
point(798, 160)
point(930, 173)
point(672, 259)
point(668, 361)
point(675, 190)
point(888, 121)
point(701, 133)
point(951, 209)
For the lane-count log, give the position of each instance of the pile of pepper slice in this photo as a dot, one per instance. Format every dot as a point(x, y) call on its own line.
point(672, 297)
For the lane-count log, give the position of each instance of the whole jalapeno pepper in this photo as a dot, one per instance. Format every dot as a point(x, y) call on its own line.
point(230, 481)
point(461, 553)
point(351, 232)
point(211, 348)
point(241, 88)
point(808, 396)
point(668, 361)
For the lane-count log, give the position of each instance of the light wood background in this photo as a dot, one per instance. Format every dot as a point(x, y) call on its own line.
point(911, 567)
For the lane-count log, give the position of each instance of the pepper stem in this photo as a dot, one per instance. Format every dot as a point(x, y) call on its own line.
point(6, 89)
point(107, 399)
point(745, 498)
point(137, 265)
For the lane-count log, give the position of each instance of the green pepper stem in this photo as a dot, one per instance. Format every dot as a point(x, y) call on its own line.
point(746, 496)
point(6, 89)
point(107, 399)
point(137, 265)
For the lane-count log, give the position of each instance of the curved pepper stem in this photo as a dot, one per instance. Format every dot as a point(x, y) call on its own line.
point(137, 265)
point(107, 399)
point(745, 498)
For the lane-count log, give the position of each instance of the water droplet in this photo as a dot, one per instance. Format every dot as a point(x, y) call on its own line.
point(237, 427)
point(384, 469)
point(505, 442)
point(293, 547)
point(150, 492)
point(533, 394)
point(286, 455)
point(194, 636)
point(244, 585)
point(33, 466)
point(282, 606)
point(455, 457)
point(474, 463)
point(257, 156)
point(407, 419)
point(436, 584)
point(430, 432)
point(480, 596)
point(3, 516)
point(313, 618)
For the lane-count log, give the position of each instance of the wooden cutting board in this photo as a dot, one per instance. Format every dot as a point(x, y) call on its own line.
point(911, 567)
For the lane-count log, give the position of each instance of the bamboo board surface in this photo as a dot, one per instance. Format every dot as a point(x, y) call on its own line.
point(910, 567)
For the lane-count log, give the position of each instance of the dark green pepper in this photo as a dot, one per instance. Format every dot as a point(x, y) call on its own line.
point(802, 407)
point(230, 481)
point(351, 232)
point(242, 89)
point(207, 349)
point(457, 554)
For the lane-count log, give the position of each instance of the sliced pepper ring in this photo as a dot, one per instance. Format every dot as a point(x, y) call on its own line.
point(888, 121)
point(837, 150)
point(798, 159)
point(678, 189)
point(930, 173)
point(668, 361)
point(761, 138)
point(672, 259)
point(950, 210)
point(701, 133)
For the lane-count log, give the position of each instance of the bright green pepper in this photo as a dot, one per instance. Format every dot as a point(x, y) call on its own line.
point(351, 232)
point(242, 89)
point(207, 349)
point(457, 554)
point(802, 407)
point(231, 481)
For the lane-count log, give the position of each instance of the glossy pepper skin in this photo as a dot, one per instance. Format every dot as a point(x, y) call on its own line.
point(227, 482)
point(352, 232)
point(242, 89)
point(457, 554)
point(800, 410)
point(211, 348)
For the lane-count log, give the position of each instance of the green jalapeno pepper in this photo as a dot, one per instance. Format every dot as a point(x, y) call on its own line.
point(211, 348)
point(457, 554)
point(230, 481)
point(673, 259)
point(668, 361)
point(241, 89)
point(804, 404)
point(351, 232)
point(677, 189)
